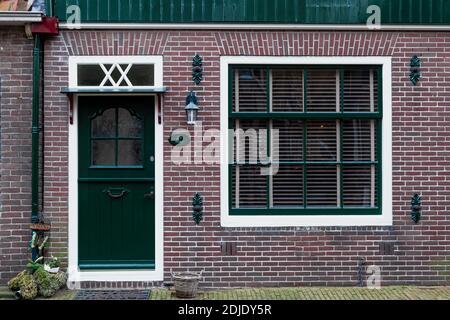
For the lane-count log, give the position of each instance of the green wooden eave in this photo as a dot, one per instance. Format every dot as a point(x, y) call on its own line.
point(114, 90)
point(352, 12)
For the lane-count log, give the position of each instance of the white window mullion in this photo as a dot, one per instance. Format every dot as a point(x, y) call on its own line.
point(124, 76)
point(108, 75)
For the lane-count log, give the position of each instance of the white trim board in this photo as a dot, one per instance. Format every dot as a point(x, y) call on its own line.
point(248, 26)
point(307, 220)
point(75, 274)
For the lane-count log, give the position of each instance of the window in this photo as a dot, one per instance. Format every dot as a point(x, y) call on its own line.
point(306, 140)
point(117, 138)
point(115, 75)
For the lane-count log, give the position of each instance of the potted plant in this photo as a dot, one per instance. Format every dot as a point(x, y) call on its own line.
point(52, 265)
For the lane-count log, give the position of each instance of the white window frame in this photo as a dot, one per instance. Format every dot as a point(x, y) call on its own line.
point(74, 61)
point(385, 219)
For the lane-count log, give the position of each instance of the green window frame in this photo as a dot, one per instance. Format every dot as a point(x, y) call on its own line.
point(116, 138)
point(342, 115)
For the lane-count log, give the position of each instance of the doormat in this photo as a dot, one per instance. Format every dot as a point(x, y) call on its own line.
point(113, 295)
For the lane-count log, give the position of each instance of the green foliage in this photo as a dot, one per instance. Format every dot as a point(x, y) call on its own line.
point(28, 287)
point(39, 283)
point(34, 265)
point(53, 263)
point(62, 279)
point(47, 283)
point(14, 283)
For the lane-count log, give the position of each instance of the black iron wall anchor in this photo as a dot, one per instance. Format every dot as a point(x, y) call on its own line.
point(415, 74)
point(175, 139)
point(197, 69)
point(197, 207)
point(416, 208)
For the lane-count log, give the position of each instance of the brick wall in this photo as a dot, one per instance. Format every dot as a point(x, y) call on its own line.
point(277, 256)
point(15, 167)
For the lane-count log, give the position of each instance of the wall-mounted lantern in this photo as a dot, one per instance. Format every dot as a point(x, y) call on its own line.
point(416, 208)
point(191, 108)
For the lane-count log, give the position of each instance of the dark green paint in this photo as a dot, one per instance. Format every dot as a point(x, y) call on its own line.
point(341, 115)
point(197, 208)
point(415, 73)
point(307, 115)
point(114, 90)
point(116, 219)
point(49, 7)
point(197, 69)
point(401, 12)
point(319, 211)
point(35, 129)
point(416, 208)
point(380, 137)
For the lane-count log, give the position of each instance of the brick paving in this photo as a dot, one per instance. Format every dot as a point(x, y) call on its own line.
point(304, 293)
point(350, 293)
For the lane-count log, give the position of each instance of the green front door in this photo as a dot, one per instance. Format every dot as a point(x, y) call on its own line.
point(116, 220)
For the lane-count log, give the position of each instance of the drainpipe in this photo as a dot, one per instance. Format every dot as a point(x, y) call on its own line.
point(47, 27)
point(35, 129)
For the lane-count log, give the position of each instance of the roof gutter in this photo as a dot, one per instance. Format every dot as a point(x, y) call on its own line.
point(19, 18)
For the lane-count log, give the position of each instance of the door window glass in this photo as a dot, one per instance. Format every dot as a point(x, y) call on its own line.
point(117, 138)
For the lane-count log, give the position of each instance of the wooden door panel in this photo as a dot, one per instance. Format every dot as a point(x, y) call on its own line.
point(116, 201)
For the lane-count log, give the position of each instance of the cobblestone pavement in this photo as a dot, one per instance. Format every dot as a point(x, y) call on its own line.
point(304, 293)
point(387, 293)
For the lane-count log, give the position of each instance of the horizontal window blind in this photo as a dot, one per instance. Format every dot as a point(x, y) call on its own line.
point(287, 90)
point(306, 140)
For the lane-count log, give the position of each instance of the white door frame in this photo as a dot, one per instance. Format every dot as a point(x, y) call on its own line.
point(74, 272)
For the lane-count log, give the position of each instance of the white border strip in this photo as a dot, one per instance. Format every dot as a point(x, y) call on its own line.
point(20, 17)
point(75, 274)
point(302, 220)
point(245, 26)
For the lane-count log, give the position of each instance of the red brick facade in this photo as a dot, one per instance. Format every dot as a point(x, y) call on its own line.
point(265, 256)
point(16, 63)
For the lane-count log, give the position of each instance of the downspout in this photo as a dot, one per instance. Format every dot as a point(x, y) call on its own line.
point(35, 129)
point(48, 26)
